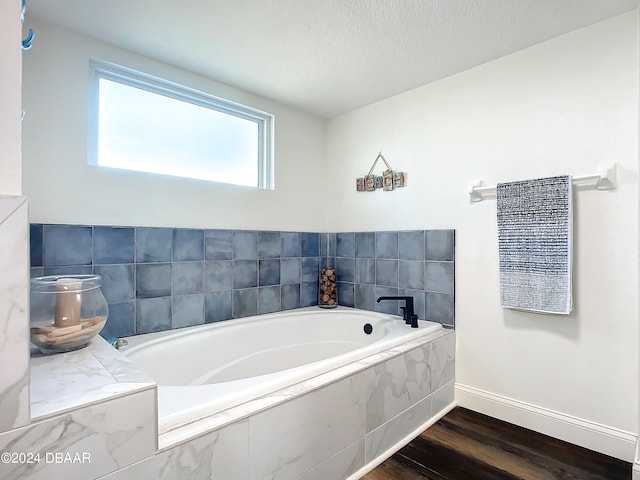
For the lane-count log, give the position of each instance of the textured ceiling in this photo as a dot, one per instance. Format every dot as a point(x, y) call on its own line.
point(326, 57)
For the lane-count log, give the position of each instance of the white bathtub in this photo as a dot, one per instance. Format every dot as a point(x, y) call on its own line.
point(203, 370)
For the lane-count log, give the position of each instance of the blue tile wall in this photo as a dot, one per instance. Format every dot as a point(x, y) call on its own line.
point(161, 278)
point(418, 263)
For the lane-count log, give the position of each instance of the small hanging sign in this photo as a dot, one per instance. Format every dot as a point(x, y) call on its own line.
point(387, 181)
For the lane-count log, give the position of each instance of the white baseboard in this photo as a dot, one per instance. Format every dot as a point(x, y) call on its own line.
point(383, 456)
point(594, 436)
point(636, 471)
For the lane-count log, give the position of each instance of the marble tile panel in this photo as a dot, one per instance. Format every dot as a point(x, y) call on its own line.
point(395, 385)
point(389, 434)
point(340, 466)
point(219, 455)
point(64, 382)
point(105, 437)
point(442, 360)
point(290, 439)
point(14, 314)
point(118, 365)
point(442, 398)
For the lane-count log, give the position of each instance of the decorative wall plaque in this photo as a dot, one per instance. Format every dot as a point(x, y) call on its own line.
point(389, 179)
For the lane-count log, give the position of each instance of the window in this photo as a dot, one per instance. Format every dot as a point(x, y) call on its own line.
point(146, 124)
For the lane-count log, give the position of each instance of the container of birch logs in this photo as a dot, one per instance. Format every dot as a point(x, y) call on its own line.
point(66, 311)
point(328, 288)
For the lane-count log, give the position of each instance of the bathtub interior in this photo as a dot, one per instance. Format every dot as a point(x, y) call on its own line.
point(256, 345)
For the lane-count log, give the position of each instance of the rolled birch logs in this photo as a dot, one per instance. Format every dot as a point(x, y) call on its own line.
point(328, 294)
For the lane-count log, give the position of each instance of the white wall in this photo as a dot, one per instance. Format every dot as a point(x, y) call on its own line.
point(10, 111)
point(64, 189)
point(562, 107)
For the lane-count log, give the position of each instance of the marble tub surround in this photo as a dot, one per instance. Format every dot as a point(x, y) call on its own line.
point(14, 315)
point(97, 373)
point(91, 406)
point(96, 439)
point(217, 419)
point(336, 425)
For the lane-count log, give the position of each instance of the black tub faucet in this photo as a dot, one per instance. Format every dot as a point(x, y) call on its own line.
point(407, 311)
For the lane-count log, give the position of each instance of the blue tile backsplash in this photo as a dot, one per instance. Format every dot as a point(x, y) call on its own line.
point(162, 278)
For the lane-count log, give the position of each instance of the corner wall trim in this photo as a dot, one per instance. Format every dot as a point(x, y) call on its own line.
point(594, 436)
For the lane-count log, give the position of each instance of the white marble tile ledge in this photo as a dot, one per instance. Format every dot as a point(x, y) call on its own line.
point(66, 381)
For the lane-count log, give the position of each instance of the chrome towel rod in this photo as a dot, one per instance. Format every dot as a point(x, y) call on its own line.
point(605, 179)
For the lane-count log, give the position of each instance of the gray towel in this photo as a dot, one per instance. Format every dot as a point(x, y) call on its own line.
point(534, 244)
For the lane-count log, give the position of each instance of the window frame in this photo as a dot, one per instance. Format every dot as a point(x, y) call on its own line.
point(127, 76)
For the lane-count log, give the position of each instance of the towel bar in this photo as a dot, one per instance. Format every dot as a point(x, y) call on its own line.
point(605, 179)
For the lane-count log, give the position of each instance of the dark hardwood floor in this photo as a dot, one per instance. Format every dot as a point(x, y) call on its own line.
point(466, 445)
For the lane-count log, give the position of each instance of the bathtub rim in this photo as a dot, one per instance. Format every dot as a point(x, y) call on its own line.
point(136, 341)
